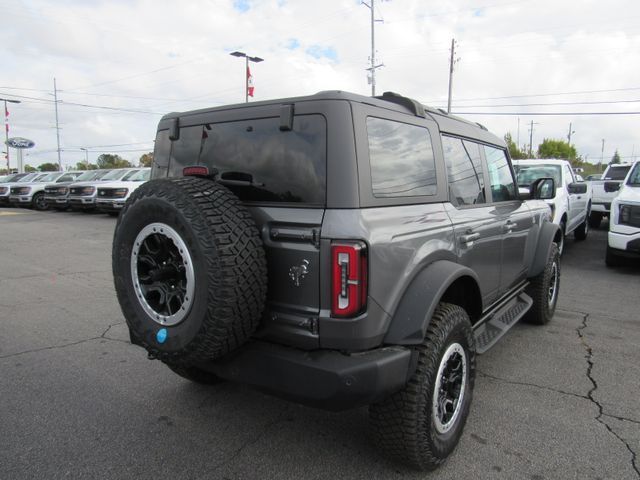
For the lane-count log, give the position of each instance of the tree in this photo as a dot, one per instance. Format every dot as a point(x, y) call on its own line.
point(28, 168)
point(146, 159)
point(514, 151)
point(107, 160)
point(550, 148)
point(83, 166)
point(615, 158)
point(48, 167)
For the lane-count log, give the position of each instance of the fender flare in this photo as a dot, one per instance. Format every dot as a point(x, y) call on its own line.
point(415, 309)
point(548, 232)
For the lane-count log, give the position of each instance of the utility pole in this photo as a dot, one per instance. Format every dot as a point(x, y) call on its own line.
point(602, 154)
point(6, 128)
point(531, 139)
point(372, 69)
point(518, 140)
point(570, 133)
point(55, 100)
point(452, 62)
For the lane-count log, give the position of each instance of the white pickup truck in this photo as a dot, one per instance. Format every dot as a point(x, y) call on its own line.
point(601, 203)
point(624, 223)
point(571, 206)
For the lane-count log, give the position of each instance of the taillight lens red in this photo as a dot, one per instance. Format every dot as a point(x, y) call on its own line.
point(195, 171)
point(348, 279)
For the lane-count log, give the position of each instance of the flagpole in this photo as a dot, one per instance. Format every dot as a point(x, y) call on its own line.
point(247, 59)
point(6, 128)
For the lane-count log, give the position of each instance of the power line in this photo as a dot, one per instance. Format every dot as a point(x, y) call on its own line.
point(524, 114)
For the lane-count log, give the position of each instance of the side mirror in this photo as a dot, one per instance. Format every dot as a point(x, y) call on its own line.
point(577, 187)
point(543, 189)
point(610, 187)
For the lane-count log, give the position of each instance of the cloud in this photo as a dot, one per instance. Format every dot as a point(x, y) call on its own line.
point(318, 52)
point(136, 55)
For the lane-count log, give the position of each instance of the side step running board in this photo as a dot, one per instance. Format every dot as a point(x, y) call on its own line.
point(490, 331)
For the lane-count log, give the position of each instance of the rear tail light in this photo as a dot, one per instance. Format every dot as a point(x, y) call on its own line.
point(348, 279)
point(195, 171)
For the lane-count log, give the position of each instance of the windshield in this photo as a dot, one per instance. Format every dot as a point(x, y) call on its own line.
point(617, 173)
point(115, 174)
point(29, 178)
point(139, 176)
point(527, 174)
point(50, 177)
point(130, 174)
point(634, 177)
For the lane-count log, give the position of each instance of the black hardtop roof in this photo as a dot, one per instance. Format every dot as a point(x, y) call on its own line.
point(391, 101)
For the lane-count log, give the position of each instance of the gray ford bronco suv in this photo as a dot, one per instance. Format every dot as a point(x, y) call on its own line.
point(339, 251)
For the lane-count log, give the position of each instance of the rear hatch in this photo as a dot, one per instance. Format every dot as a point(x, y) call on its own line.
point(276, 163)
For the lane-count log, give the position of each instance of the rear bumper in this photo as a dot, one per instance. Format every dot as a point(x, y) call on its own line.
point(326, 379)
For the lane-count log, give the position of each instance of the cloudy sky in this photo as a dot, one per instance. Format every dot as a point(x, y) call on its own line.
point(121, 64)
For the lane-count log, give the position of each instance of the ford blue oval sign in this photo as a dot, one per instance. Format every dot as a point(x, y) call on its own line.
point(19, 142)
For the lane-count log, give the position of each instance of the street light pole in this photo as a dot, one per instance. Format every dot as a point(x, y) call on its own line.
point(86, 157)
point(6, 128)
point(247, 59)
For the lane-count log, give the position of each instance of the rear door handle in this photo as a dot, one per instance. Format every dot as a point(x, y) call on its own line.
point(470, 237)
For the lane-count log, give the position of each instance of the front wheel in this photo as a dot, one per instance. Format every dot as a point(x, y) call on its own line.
point(612, 259)
point(544, 289)
point(583, 230)
point(422, 424)
point(38, 201)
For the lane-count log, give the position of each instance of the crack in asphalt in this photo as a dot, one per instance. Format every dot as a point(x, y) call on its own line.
point(71, 344)
point(280, 419)
point(599, 419)
point(542, 387)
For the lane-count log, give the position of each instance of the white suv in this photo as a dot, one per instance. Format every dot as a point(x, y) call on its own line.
point(571, 206)
point(624, 222)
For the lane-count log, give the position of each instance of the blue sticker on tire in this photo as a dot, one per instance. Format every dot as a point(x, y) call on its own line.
point(161, 336)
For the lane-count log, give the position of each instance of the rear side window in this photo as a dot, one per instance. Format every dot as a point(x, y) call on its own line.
point(402, 161)
point(258, 161)
point(464, 171)
point(503, 187)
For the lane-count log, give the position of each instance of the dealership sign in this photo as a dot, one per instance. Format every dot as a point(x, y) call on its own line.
point(19, 142)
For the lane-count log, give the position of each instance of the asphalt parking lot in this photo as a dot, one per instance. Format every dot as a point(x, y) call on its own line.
point(78, 401)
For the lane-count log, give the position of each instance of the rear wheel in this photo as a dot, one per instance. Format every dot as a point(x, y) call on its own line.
point(595, 218)
point(422, 424)
point(544, 289)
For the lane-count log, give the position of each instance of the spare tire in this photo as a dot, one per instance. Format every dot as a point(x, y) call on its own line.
point(189, 270)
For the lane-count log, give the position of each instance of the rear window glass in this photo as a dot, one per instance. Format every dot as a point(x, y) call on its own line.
point(617, 173)
point(402, 161)
point(258, 161)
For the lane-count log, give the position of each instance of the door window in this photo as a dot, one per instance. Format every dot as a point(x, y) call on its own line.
point(464, 171)
point(402, 161)
point(500, 176)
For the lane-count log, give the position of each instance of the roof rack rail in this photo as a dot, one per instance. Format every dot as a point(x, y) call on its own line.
point(413, 106)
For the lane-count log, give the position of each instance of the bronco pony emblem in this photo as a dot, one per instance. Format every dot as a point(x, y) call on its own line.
point(298, 272)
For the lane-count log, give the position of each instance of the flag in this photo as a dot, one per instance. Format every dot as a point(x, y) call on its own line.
point(249, 82)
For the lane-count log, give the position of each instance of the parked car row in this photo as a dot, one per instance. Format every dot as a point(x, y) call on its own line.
point(105, 190)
